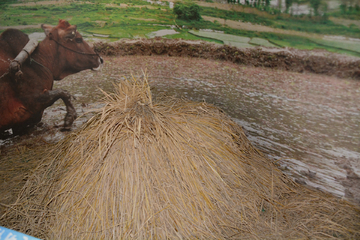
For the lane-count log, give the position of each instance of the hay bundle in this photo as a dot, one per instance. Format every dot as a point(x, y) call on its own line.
point(172, 169)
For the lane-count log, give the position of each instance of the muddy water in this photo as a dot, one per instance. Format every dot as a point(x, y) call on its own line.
point(313, 143)
point(309, 124)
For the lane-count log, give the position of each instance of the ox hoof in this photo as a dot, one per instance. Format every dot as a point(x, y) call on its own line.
point(69, 118)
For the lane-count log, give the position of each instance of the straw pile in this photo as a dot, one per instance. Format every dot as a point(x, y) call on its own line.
point(171, 169)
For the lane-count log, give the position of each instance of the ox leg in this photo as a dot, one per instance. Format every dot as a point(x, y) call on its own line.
point(49, 97)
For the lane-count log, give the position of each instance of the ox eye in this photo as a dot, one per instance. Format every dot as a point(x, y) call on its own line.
point(78, 40)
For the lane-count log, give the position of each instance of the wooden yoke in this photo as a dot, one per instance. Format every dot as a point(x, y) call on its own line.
point(15, 65)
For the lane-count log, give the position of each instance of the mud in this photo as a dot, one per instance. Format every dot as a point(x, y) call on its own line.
point(307, 123)
point(319, 62)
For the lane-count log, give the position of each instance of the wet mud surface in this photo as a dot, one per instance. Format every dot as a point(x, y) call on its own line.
point(308, 123)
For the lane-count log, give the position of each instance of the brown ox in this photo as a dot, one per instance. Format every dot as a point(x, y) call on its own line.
point(61, 53)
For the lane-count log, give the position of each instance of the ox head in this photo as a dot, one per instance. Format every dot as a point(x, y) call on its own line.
point(72, 53)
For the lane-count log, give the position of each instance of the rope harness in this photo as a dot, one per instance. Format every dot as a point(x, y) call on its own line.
point(34, 61)
point(83, 53)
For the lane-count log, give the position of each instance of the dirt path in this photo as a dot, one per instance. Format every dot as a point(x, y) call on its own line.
point(40, 3)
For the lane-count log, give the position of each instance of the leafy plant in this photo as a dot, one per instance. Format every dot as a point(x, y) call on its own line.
point(288, 4)
point(315, 4)
point(346, 10)
point(189, 11)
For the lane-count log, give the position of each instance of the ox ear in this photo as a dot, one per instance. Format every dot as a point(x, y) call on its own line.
point(47, 28)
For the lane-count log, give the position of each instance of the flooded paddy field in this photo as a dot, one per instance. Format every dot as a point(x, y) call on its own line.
point(309, 124)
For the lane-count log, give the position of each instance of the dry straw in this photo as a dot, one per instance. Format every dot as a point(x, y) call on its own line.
point(170, 169)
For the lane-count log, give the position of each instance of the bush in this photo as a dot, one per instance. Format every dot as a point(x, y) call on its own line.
point(187, 12)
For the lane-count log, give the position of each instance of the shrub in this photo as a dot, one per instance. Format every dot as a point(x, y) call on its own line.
point(187, 12)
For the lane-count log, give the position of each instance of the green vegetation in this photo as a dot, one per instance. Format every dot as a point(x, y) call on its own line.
point(228, 39)
point(298, 42)
point(189, 11)
point(346, 45)
point(3, 2)
point(93, 18)
point(348, 11)
point(315, 4)
point(261, 42)
point(221, 36)
point(320, 25)
point(137, 18)
point(185, 34)
point(232, 15)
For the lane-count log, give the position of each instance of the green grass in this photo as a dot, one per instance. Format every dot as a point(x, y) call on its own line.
point(304, 24)
point(346, 45)
point(221, 36)
point(352, 13)
point(184, 34)
point(127, 31)
point(283, 40)
point(238, 44)
point(80, 13)
point(236, 41)
point(311, 45)
point(129, 22)
point(233, 15)
point(315, 25)
point(261, 42)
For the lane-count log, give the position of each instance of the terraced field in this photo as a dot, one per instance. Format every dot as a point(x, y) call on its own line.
point(342, 44)
point(233, 40)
